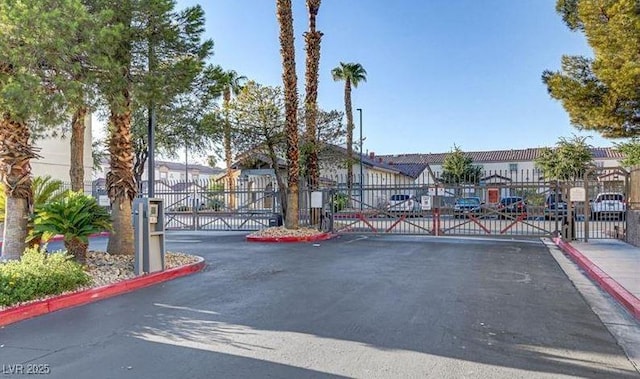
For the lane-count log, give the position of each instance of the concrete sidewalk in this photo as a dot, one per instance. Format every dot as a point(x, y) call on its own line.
point(613, 264)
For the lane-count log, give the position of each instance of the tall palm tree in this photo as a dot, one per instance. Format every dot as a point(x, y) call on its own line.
point(290, 79)
point(232, 84)
point(352, 74)
point(16, 151)
point(312, 40)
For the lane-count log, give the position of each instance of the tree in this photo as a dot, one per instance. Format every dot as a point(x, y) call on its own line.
point(211, 161)
point(231, 84)
point(458, 168)
point(312, 42)
point(601, 94)
point(569, 160)
point(257, 118)
point(189, 122)
point(631, 151)
point(352, 74)
point(290, 80)
point(148, 54)
point(34, 94)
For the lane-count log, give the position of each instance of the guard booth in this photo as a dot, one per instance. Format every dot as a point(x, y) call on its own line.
point(148, 229)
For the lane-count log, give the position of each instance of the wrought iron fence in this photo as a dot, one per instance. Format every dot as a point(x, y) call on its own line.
point(500, 203)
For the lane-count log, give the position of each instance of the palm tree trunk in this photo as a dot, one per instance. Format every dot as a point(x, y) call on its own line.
point(120, 182)
point(227, 144)
point(347, 107)
point(16, 152)
point(312, 39)
point(76, 165)
point(285, 19)
point(77, 248)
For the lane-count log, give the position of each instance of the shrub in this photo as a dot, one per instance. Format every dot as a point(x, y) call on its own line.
point(216, 204)
point(38, 274)
point(340, 201)
point(45, 190)
point(76, 216)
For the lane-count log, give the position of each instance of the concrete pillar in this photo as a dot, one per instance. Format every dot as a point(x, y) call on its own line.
point(633, 208)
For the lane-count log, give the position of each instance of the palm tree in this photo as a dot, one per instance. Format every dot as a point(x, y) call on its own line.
point(352, 74)
point(312, 39)
point(16, 151)
point(231, 84)
point(290, 79)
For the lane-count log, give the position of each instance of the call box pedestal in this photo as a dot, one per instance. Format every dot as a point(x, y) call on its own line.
point(148, 229)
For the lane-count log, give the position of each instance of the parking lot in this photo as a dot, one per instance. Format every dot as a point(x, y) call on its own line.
point(355, 306)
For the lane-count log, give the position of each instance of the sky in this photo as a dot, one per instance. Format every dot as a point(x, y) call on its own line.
point(440, 72)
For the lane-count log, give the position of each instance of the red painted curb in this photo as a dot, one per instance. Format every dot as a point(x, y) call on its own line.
point(60, 237)
point(610, 285)
point(38, 308)
point(315, 238)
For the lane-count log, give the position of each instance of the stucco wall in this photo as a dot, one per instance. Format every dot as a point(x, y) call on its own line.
point(56, 156)
point(633, 227)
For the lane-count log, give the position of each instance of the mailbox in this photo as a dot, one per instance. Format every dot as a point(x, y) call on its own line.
point(148, 228)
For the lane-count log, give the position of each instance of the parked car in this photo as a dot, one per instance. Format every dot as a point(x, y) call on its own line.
point(608, 204)
point(466, 206)
point(554, 206)
point(403, 203)
point(512, 204)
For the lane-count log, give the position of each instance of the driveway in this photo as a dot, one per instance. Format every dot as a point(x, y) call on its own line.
point(349, 307)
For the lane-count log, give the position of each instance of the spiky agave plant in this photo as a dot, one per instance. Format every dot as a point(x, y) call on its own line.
point(76, 216)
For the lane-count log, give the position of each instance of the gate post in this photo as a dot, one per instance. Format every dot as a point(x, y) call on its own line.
point(632, 218)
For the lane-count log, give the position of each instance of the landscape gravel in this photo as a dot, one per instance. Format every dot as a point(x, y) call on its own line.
point(281, 231)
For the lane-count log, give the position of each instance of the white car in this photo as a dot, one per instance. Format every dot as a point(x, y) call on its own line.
point(402, 203)
point(608, 204)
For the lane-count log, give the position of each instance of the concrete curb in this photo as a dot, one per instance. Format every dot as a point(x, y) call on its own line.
point(607, 283)
point(41, 307)
point(314, 238)
point(60, 237)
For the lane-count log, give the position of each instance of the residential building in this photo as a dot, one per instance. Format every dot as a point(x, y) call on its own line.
point(504, 170)
point(55, 158)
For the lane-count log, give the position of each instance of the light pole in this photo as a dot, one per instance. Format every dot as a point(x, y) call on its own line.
point(361, 174)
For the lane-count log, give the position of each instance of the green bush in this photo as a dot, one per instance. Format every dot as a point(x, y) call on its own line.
point(216, 204)
point(45, 190)
point(38, 274)
point(76, 216)
point(340, 201)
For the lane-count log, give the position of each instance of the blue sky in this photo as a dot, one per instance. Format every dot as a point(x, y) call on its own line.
point(440, 72)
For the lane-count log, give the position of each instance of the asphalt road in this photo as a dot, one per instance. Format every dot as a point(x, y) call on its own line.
point(351, 307)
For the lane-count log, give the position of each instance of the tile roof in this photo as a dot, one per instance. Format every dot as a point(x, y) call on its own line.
point(514, 155)
point(411, 169)
point(176, 166)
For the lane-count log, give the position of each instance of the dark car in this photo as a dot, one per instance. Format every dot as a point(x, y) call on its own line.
point(554, 206)
point(514, 205)
point(466, 206)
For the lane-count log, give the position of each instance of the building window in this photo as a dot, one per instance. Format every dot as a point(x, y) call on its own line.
point(513, 167)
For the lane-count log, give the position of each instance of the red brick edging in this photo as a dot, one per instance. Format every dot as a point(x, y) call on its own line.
point(314, 238)
point(38, 308)
point(607, 283)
